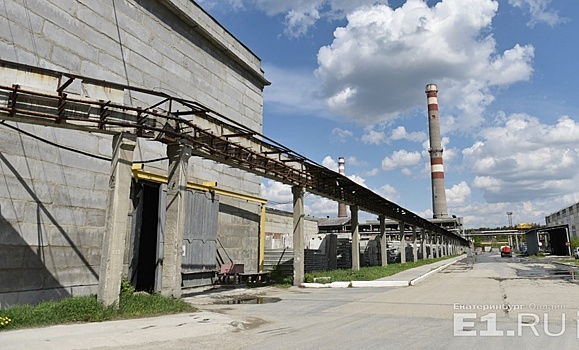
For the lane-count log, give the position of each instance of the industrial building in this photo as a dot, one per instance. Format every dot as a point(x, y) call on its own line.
point(132, 148)
point(53, 201)
point(566, 216)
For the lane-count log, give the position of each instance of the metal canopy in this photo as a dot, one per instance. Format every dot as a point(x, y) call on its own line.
point(168, 119)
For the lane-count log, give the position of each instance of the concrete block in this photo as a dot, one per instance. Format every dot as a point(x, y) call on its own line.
point(83, 290)
point(59, 258)
point(85, 275)
point(26, 189)
point(97, 24)
point(31, 297)
point(92, 69)
point(78, 236)
point(67, 57)
point(95, 218)
point(103, 8)
point(75, 160)
point(80, 197)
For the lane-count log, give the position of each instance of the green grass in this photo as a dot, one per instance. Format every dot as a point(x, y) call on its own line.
point(370, 273)
point(88, 309)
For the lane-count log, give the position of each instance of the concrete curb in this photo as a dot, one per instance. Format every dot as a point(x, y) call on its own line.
point(440, 268)
point(364, 284)
point(360, 284)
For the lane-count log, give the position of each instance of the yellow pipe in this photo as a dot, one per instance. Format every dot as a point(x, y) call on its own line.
point(140, 174)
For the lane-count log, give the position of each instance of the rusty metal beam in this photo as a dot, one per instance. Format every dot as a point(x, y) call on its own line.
point(257, 154)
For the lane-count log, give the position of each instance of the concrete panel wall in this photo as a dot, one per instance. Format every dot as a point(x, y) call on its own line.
point(279, 230)
point(53, 201)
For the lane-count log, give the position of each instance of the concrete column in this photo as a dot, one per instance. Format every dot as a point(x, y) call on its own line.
point(435, 244)
point(119, 205)
point(355, 238)
point(332, 251)
point(298, 234)
point(383, 240)
point(448, 252)
point(176, 213)
point(517, 242)
point(414, 249)
point(443, 246)
point(423, 242)
point(402, 243)
point(430, 245)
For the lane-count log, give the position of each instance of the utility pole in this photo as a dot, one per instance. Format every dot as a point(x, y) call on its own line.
point(510, 215)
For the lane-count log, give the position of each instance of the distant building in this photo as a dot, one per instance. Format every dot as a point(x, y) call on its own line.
point(568, 215)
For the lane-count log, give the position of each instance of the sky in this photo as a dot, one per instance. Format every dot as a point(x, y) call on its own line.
point(348, 80)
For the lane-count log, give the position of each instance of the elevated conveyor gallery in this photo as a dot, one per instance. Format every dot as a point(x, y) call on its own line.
point(43, 99)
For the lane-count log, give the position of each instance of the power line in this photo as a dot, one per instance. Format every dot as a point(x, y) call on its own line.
point(74, 149)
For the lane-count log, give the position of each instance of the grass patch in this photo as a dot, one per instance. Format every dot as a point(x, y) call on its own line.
point(370, 273)
point(88, 309)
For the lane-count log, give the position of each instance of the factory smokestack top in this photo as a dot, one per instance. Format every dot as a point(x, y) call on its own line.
point(342, 207)
point(436, 165)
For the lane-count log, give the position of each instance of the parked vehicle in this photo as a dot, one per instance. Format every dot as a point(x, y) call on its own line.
point(576, 253)
point(506, 251)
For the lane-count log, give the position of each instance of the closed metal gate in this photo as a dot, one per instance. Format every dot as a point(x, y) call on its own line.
point(200, 236)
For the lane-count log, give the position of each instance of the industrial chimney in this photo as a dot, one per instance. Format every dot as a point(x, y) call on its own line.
point(436, 166)
point(342, 209)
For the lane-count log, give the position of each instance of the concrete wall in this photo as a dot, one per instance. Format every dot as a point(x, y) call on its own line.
point(53, 201)
point(279, 230)
point(568, 216)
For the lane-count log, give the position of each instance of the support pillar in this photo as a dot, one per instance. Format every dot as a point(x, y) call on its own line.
point(430, 245)
point(436, 251)
point(517, 242)
point(402, 243)
point(176, 212)
point(355, 238)
point(414, 249)
point(448, 252)
point(332, 251)
point(423, 242)
point(119, 205)
point(298, 234)
point(383, 240)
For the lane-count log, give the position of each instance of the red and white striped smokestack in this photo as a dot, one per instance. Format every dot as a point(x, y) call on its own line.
point(437, 169)
point(342, 208)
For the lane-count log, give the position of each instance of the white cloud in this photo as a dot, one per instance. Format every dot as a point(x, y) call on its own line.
point(301, 15)
point(458, 194)
point(525, 160)
point(340, 135)
point(389, 193)
point(539, 11)
point(355, 161)
point(373, 137)
point(400, 133)
point(401, 159)
point(378, 64)
point(276, 192)
point(358, 179)
point(330, 163)
point(292, 91)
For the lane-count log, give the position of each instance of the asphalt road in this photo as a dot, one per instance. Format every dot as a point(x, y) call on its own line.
point(482, 303)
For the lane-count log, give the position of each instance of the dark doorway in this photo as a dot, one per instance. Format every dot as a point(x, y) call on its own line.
point(145, 237)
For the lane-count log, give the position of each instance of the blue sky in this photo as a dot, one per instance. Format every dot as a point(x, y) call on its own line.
point(348, 79)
